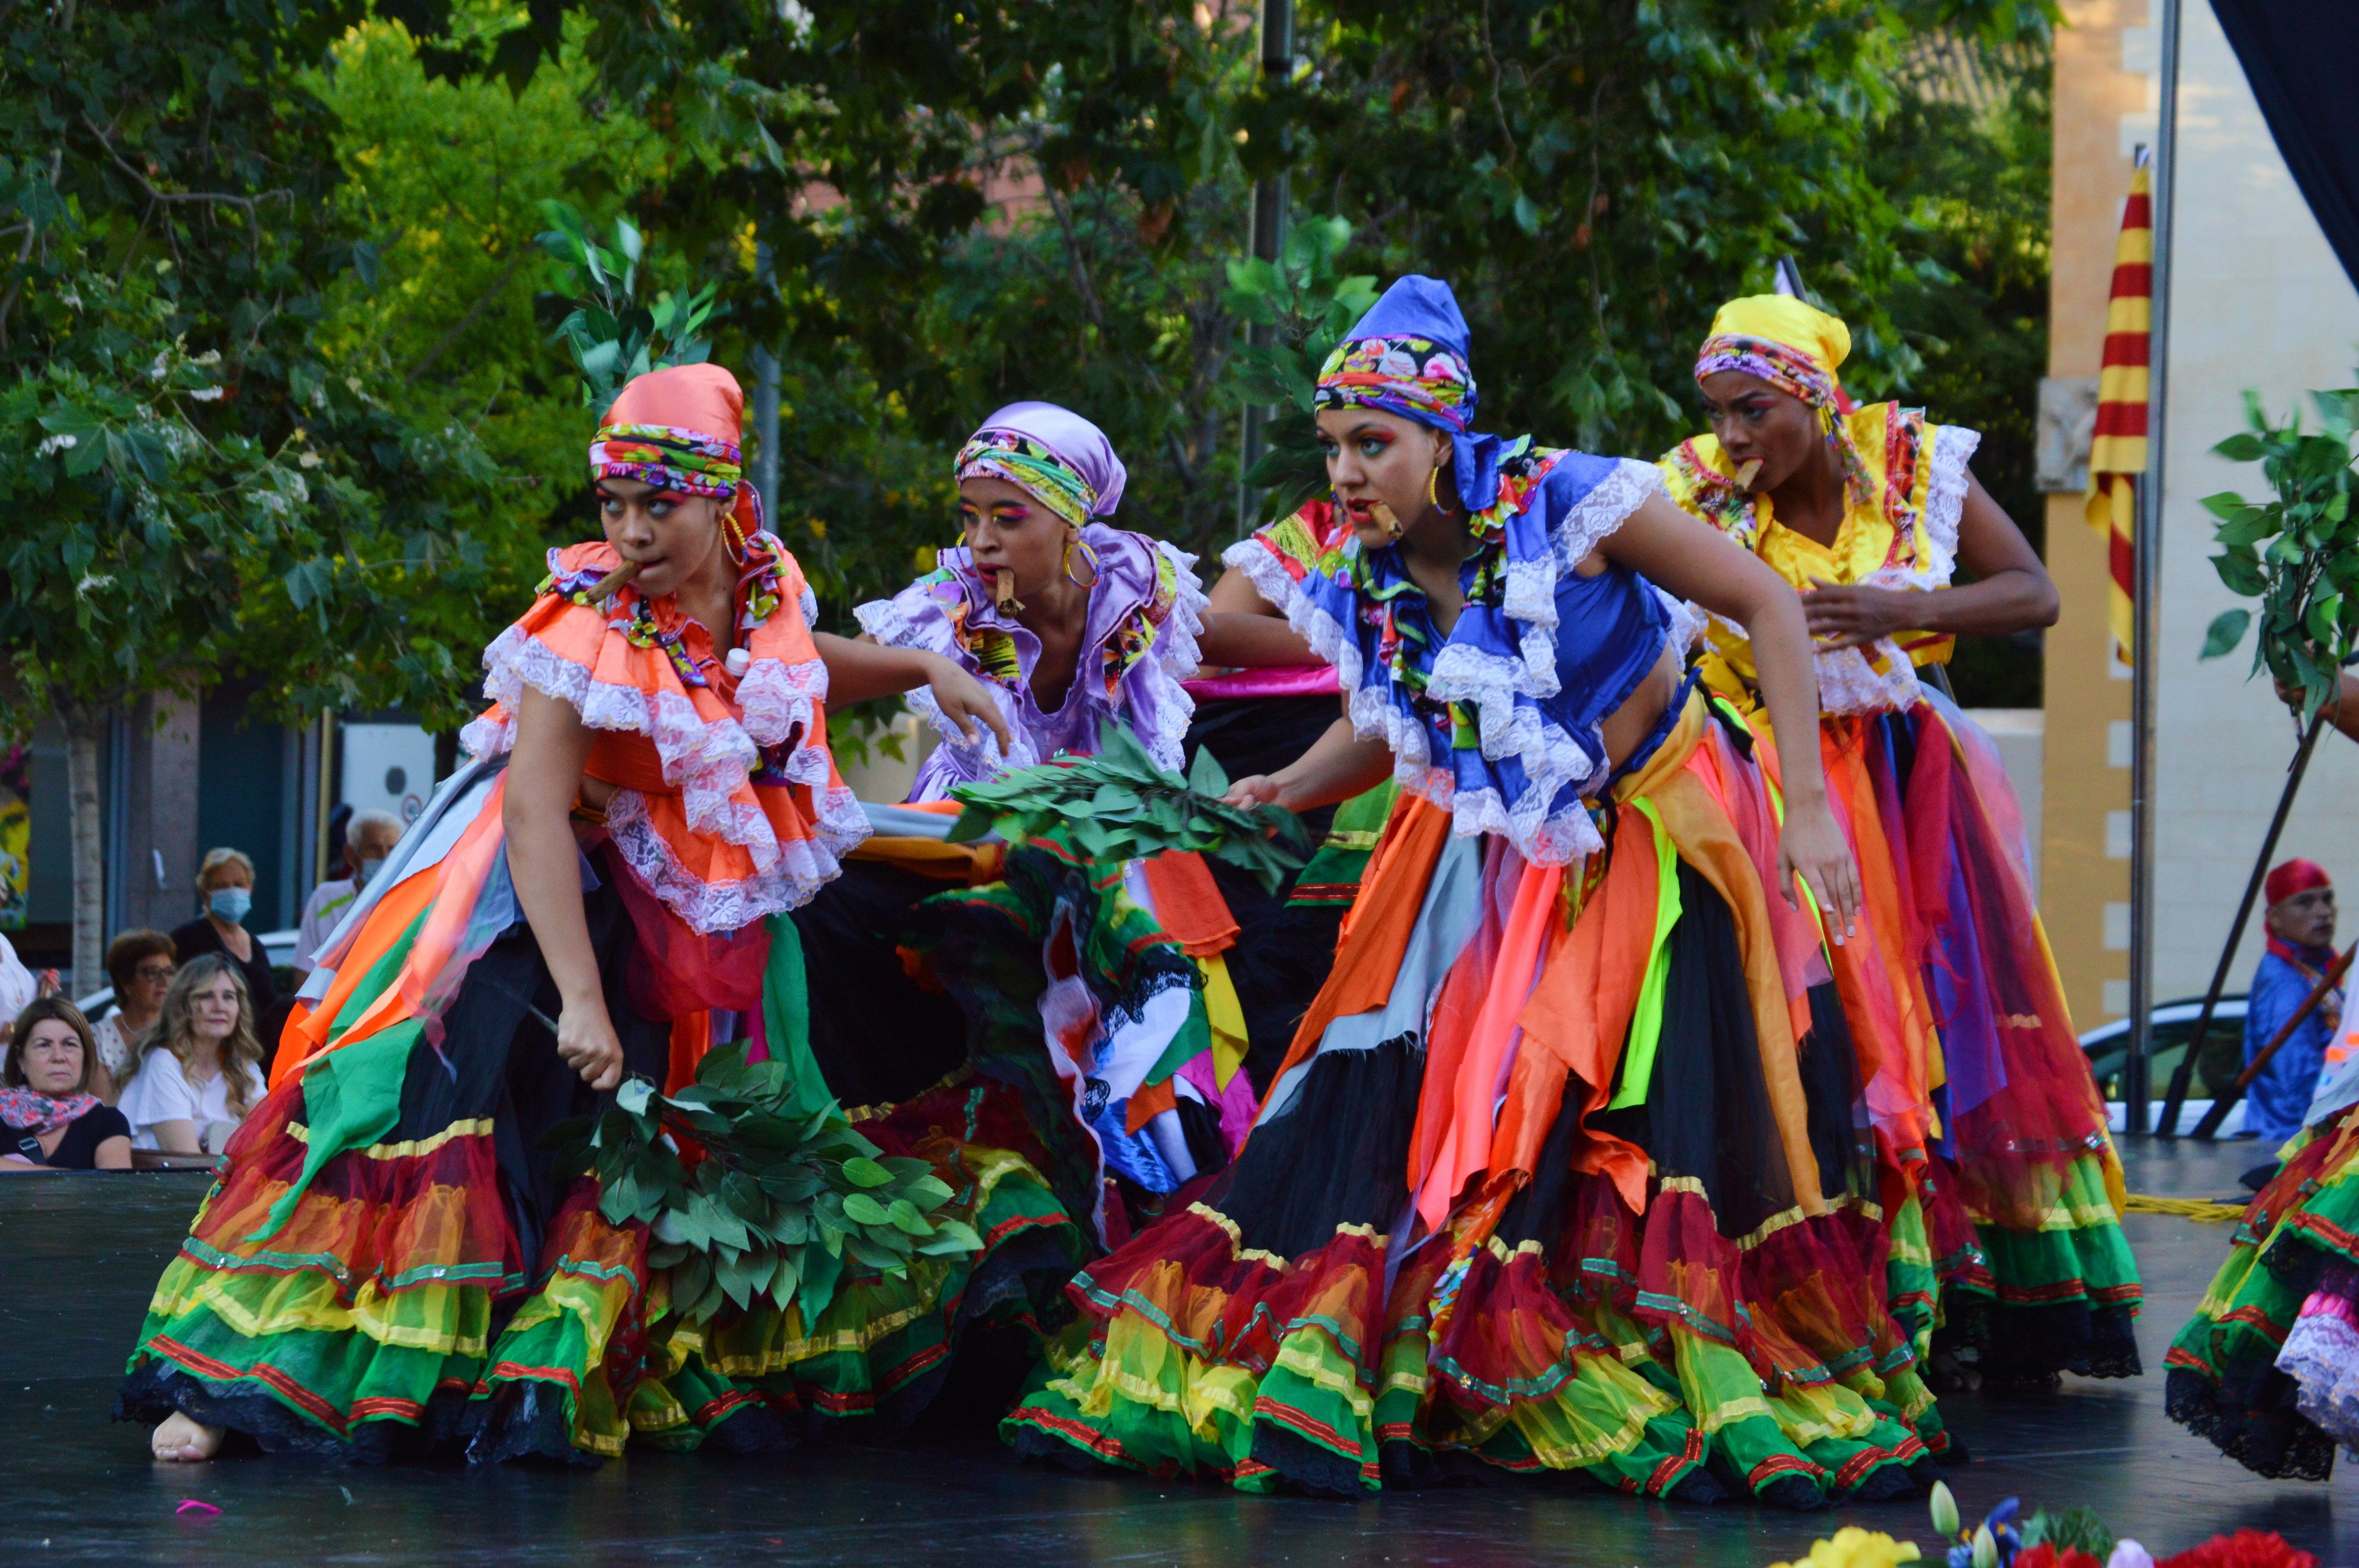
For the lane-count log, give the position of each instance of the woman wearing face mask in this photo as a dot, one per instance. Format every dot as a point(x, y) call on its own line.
point(225, 886)
point(1990, 1132)
point(200, 1067)
point(1559, 1173)
point(390, 1263)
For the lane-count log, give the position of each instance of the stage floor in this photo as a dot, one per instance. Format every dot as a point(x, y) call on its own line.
point(76, 1489)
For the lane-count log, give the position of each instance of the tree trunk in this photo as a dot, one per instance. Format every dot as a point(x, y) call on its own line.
point(84, 725)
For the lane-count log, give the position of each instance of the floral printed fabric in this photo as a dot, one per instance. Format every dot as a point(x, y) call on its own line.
point(1032, 468)
point(688, 461)
point(1413, 377)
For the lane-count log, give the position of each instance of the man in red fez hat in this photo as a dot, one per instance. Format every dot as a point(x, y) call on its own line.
point(2300, 923)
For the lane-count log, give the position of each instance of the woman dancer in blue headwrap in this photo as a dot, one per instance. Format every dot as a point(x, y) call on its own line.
point(1559, 1171)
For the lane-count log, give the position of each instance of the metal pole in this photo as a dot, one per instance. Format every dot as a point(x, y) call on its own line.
point(766, 401)
point(2168, 1126)
point(1267, 243)
point(2146, 557)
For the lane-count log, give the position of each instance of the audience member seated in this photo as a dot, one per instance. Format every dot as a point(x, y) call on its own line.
point(225, 884)
point(200, 1067)
point(369, 837)
point(52, 1120)
point(140, 965)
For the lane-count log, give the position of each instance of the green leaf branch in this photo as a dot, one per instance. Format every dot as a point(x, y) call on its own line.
point(613, 336)
point(1309, 302)
point(1119, 805)
point(779, 1205)
point(2297, 552)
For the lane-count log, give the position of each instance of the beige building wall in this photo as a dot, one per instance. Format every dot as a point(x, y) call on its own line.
point(2258, 302)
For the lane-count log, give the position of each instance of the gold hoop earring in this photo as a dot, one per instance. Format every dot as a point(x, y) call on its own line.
point(1089, 554)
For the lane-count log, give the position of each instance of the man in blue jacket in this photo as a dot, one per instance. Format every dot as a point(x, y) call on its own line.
point(2300, 922)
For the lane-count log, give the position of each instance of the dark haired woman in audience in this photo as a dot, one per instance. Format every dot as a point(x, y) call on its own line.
point(51, 1119)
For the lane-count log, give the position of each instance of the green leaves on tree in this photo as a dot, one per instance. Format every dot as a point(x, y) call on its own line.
point(2297, 552)
point(1119, 805)
point(777, 1202)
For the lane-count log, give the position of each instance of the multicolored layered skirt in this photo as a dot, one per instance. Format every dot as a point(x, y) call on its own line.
point(1558, 1175)
point(1974, 1084)
point(388, 1265)
point(2269, 1367)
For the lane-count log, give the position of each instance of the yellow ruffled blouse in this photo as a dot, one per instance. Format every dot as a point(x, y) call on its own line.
point(1899, 531)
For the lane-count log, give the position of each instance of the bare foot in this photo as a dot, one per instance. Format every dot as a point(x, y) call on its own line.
point(177, 1439)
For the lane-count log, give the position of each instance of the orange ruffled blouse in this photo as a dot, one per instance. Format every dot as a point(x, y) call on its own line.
point(727, 804)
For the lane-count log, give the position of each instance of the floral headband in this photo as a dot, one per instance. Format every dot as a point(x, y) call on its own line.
point(1409, 376)
point(685, 460)
point(1031, 467)
point(1788, 369)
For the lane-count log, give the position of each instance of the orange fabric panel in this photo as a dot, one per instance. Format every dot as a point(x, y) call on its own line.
point(307, 1033)
point(1579, 1018)
point(691, 1037)
point(1465, 1145)
point(965, 865)
point(1376, 931)
point(1150, 1101)
point(1188, 902)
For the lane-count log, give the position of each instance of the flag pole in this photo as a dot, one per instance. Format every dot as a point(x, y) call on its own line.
point(2146, 557)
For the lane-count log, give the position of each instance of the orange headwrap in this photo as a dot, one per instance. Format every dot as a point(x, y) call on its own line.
point(677, 428)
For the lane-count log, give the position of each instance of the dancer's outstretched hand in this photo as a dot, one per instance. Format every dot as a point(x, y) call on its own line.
point(1812, 847)
point(586, 1042)
point(967, 703)
point(1257, 789)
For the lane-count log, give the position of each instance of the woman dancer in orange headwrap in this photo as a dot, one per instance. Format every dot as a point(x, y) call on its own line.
point(389, 1263)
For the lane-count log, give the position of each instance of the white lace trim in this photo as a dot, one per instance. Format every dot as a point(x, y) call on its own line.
point(797, 869)
point(1605, 508)
point(1945, 495)
point(1686, 624)
point(2322, 1355)
point(1848, 683)
point(1176, 651)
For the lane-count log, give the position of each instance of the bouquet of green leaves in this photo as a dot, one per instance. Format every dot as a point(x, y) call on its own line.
point(2297, 551)
point(779, 1201)
point(1119, 805)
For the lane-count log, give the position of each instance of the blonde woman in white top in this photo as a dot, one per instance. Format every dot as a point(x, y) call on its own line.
point(201, 1070)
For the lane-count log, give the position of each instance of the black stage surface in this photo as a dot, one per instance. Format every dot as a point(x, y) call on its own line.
point(81, 1254)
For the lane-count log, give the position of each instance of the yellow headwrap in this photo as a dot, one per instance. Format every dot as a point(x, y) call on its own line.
point(1794, 346)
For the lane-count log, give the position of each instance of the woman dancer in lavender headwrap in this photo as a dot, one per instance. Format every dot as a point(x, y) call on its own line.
point(1065, 618)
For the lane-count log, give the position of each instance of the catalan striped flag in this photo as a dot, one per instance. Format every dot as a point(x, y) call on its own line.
point(2117, 451)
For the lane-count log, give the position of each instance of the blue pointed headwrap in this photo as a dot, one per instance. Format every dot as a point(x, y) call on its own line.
point(1408, 356)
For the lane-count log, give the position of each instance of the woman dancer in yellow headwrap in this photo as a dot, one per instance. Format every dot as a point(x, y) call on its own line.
point(1980, 1098)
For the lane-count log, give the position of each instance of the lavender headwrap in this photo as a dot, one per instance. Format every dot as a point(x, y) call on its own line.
point(1050, 452)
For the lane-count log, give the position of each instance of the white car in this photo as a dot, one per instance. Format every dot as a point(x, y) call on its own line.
point(2107, 1045)
point(278, 945)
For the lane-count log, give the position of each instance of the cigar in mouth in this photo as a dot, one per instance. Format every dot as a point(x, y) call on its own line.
point(1748, 473)
point(1004, 589)
point(603, 588)
point(1386, 518)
